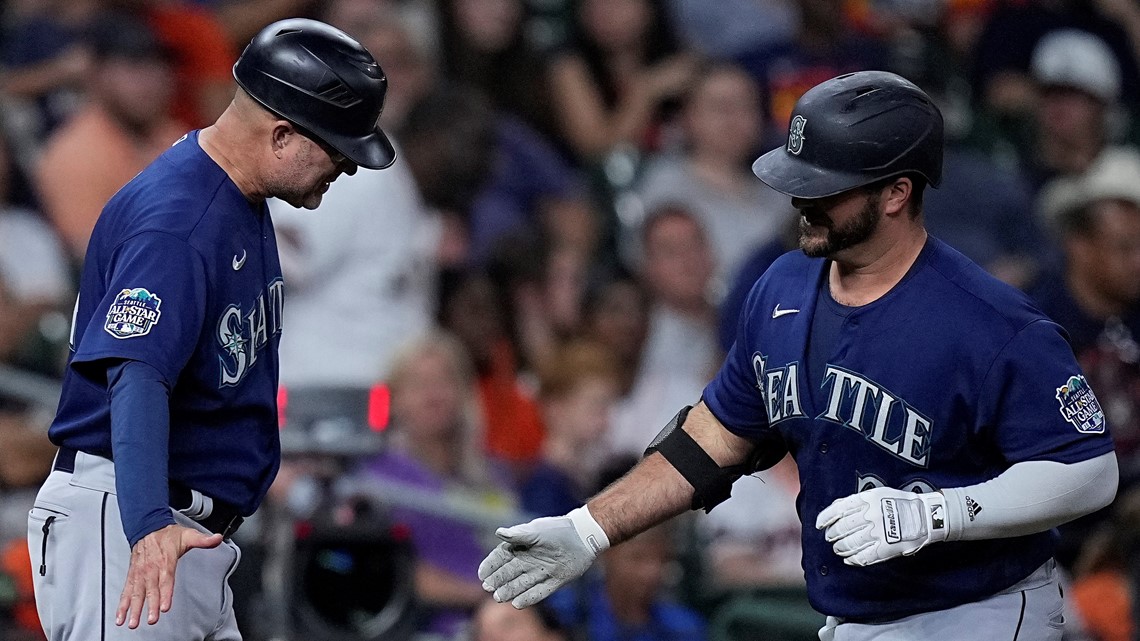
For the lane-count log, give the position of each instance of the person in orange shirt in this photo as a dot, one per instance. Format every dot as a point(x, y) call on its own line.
point(121, 129)
point(472, 308)
point(1103, 591)
point(203, 59)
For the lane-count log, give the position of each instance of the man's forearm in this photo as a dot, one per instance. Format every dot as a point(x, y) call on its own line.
point(140, 436)
point(654, 491)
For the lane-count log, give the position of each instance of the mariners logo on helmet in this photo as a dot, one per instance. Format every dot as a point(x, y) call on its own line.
point(796, 135)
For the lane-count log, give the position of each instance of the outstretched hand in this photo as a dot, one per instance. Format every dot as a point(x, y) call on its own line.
point(150, 576)
point(538, 557)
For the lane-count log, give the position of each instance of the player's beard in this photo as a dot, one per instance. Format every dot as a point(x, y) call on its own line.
point(836, 238)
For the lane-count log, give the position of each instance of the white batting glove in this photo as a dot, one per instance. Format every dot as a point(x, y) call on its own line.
point(883, 523)
point(538, 557)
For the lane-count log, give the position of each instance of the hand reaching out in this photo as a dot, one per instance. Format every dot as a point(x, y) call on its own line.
point(150, 577)
point(538, 557)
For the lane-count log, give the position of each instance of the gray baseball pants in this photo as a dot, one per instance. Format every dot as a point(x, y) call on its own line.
point(80, 558)
point(1032, 610)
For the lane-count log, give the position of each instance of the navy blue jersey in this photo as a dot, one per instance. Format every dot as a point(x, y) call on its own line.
point(946, 381)
point(182, 273)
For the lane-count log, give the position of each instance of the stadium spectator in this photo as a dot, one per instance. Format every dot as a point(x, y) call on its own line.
point(1002, 75)
point(449, 142)
point(360, 274)
point(985, 211)
point(750, 271)
point(629, 598)
point(723, 122)
point(544, 282)
point(532, 189)
point(729, 28)
point(615, 313)
point(753, 539)
point(825, 45)
point(680, 347)
point(611, 88)
point(630, 601)
point(242, 19)
point(1095, 296)
point(121, 129)
point(678, 267)
point(578, 388)
point(484, 46)
point(391, 36)
point(1104, 584)
point(203, 56)
point(24, 461)
point(502, 622)
point(44, 62)
point(480, 160)
point(35, 284)
point(1080, 84)
point(435, 448)
point(472, 307)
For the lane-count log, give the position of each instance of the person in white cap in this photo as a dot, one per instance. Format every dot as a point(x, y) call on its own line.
point(1095, 294)
point(1079, 81)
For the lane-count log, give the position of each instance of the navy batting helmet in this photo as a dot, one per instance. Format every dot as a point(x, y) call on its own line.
point(323, 81)
point(853, 130)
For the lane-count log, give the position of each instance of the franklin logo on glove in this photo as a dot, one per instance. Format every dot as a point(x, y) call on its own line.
point(891, 521)
point(883, 523)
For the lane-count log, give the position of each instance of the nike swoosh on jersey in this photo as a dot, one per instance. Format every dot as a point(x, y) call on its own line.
point(238, 264)
point(777, 312)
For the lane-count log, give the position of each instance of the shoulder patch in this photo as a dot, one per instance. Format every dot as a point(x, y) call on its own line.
point(134, 312)
point(1079, 405)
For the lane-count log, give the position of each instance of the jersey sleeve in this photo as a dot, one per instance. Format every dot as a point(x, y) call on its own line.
point(733, 396)
point(153, 308)
point(1037, 402)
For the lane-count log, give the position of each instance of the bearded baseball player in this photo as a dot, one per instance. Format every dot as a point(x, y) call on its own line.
point(940, 423)
point(167, 424)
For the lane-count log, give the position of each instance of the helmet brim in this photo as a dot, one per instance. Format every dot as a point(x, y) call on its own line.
point(372, 151)
point(793, 176)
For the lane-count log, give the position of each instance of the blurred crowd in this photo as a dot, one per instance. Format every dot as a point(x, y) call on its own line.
point(556, 262)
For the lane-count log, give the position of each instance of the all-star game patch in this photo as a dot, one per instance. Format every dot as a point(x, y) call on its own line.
point(1080, 407)
point(134, 313)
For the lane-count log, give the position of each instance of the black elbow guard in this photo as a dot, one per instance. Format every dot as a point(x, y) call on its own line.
point(712, 484)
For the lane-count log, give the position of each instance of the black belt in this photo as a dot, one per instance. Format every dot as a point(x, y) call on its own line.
point(224, 519)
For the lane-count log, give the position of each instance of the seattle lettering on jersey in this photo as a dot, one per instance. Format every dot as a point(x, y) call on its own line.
point(242, 335)
point(781, 389)
point(853, 401)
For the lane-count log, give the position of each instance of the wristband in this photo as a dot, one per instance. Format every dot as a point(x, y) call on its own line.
point(592, 534)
